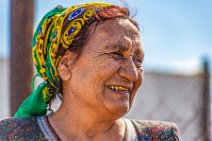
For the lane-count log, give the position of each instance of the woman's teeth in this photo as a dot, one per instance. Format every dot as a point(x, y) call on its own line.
point(119, 88)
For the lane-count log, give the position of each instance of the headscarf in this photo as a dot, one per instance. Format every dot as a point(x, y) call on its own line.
point(50, 36)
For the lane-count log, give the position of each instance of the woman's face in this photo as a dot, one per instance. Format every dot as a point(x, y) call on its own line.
point(108, 73)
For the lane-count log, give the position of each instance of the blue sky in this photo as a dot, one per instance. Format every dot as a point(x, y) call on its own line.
point(176, 34)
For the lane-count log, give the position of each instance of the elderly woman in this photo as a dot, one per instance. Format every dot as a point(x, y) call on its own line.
point(91, 56)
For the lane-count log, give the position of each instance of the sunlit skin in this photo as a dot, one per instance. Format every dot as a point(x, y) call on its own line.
point(92, 108)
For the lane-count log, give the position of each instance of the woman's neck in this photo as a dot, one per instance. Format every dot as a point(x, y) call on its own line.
point(83, 124)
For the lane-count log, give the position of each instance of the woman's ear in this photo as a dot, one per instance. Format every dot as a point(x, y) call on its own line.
point(66, 64)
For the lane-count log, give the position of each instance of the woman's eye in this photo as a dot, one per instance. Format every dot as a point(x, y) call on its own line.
point(138, 63)
point(117, 55)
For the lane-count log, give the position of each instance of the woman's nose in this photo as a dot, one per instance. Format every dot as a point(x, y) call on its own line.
point(128, 70)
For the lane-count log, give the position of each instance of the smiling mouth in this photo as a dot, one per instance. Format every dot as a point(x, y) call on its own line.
point(119, 88)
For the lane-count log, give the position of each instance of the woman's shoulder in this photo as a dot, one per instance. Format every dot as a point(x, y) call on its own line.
point(146, 129)
point(19, 128)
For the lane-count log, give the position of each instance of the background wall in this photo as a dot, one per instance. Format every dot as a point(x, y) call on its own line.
point(4, 88)
point(175, 98)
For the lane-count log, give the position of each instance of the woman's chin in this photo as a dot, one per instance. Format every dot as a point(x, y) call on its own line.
point(118, 108)
point(117, 103)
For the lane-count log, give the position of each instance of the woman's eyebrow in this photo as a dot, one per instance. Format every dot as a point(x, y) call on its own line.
point(116, 46)
point(121, 47)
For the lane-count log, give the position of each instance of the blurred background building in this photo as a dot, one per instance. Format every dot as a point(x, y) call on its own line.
point(178, 52)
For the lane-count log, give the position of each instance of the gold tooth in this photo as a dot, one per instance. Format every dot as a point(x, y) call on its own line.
point(123, 89)
point(118, 88)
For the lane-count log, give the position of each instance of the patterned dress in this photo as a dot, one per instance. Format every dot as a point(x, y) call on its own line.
point(39, 129)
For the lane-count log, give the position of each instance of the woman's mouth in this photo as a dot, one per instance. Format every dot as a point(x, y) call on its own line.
point(119, 88)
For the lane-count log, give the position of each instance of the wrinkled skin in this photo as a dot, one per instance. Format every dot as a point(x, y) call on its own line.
point(112, 57)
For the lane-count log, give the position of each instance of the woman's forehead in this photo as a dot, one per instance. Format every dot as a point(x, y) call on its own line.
point(113, 35)
point(117, 26)
point(116, 31)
